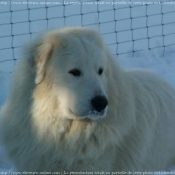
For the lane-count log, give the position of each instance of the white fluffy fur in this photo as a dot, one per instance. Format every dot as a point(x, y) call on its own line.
point(47, 123)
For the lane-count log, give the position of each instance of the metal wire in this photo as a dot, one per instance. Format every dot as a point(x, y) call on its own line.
point(22, 21)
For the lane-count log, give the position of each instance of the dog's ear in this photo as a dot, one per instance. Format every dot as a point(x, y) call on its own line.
point(44, 52)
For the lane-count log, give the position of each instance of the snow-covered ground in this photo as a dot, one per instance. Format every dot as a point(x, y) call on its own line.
point(164, 66)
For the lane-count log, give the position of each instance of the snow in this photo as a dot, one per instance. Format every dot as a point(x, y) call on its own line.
point(4, 82)
point(148, 24)
point(163, 66)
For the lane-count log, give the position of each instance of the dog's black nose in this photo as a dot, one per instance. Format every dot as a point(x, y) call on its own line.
point(99, 103)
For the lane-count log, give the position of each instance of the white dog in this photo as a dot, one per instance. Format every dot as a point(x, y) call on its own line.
point(72, 109)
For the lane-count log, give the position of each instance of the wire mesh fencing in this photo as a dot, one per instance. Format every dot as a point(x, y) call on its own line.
point(128, 27)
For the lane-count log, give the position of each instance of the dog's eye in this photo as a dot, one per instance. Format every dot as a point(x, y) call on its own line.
point(100, 71)
point(75, 72)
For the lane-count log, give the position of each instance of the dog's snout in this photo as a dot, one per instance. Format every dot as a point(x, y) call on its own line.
point(99, 103)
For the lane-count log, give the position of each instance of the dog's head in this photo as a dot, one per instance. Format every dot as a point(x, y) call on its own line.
point(73, 61)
